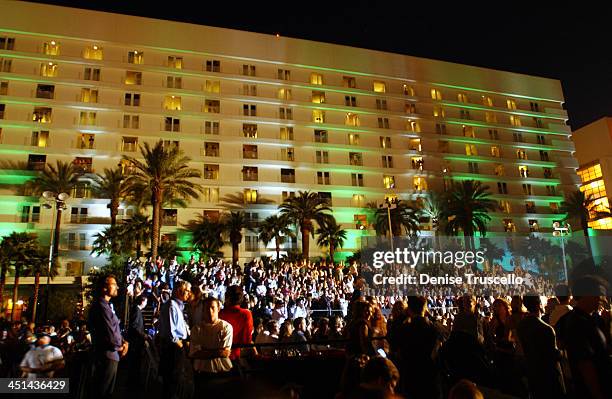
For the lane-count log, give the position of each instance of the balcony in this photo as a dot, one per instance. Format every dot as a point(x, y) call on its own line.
point(48, 94)
point(169, 220)
point(250, 176)
point(249, 154)
point(86, 219)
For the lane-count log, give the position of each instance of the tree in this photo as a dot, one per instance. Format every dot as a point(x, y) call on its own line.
point(433, 209)
point(467, 210)
point(233, 223)
point(110, 241)
point(113, 186)
point(275, 228)
point(61, 178)
point(206, 236)
point(331, 235)
point(39, 266)
point(304, 210)
point(136, 231)
point(20, 249)
point(404, 219)
point(166, 172)
point(580, 206)
point(492, 251)
point(237, 201)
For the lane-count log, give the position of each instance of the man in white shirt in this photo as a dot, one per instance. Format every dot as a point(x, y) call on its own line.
point(42, 360)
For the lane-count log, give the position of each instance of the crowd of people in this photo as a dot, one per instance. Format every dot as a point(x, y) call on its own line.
point(209, 320)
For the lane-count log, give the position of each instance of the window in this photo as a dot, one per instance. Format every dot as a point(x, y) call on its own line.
point(285, 113)
point(78, 215)
point(249, 70)
point(436, 94)
point(250, 173)
point(132, 99)
point(83, 164)
point(538, 122)
point(530, 207)
point(172, 124)
point(318, 97)
point(515, 120)
point(169, 217)
point(535, 107)
point(287, 175)
point(51, 48)
point(554, 207)
point(323, 178)
point(487, 101)
point(36, 162)
point(249, 151)
point(174, 82)
point(172, 103)
point(251, 243)
point(131, 121)
point(133, 78)
point(249, 109)
point(286, 133)
point(7, 43)
point(6, 65)
point(462, 98)
point(77, 242)
point(93, 52)
point(527, 189)
point(3, 88)
point(40, 139)
point(490, 117)
point(521, 154)
point(354, 139)
point(413, 126)
point(45, 91)
point(351, 119)
point(85, 141)
point(357, 179)
point(350, 101)
point(283, 74)
point(533, 225)
point(440, 128)
point(214, 86)
point(409, 91)
point(511, 104)
point(211, 171)
point(410, 108)
point(493, 135)
point(213, 66)
point(523, 171)
point(210, 194)
point(287, 194)
point(495, 151)
point(387, 161)
point(320, 136)
point(284, 94)
point(358, 201)
point(30, 214)
point(385, 142)
point(471, 150)
point(129, 144)
point(135, 57)
point(212, 106)
point(43, 114)
point(541, 139)
point(504, 206)
point(318, 116)
point(543, 155)
point(509, 226)
point(288, 154)
point(175, 62)
point(211, 127)
point(2, 109)
point(499, 169)
point(547, 173)
point(464, 114)
point(127, 167)
point(348, 81)
point(355, 159)
point(89, 95)
point(419, 183)
point(92, 74)
point(322, 156)
point(211, 149)
point(383, 123)
point(438, 111)
point(468, 131)
point(48, 69)
point(415, 145)
point(388, 181)
point(249, 130)
point(502, 188)
point(379, 87)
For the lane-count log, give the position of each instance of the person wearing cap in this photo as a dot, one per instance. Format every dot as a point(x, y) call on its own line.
point(42, 360)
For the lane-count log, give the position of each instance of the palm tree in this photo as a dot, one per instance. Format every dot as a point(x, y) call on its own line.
point(331, 235)
point(20, 249)
point(580, 206)
point(467, 210)
point(136, 231)
point(165, 170)
point(404, 219)
point(39, 265)
point(5, 265)
point(206, 236)
point(433, 209)
point(304, 209)
point(61, 178)
point(110, 241)
point(111, 185)
point(274, 228)
point(233, 223)
point(233, 202)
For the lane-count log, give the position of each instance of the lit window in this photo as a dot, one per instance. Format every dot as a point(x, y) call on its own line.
point(358, 202)
point(490, 117)
point(495, 151)
point(521, 154)
point(250, 196)
point(316, 79)
point(211, 171)
point(89, 95)
point(286, 133)
point(523, 171)
point(499, 170)
point(436, 94)
point(351, 119)
point(511, 104)
point(438, 112)
point(379, 87)
point(488, 101)
point(48, 69)
point(136, 57)
point(93, 52)
point(515, 120)
point(318, 116)
point(409, 91)
point(385, 142)
point(415, 145)
point(419, 183)
point(414, 126)
point(133, 78)
point(212, 86)
point(175, 62)
point(353, 139)
point(509, 226)
point(462, 98)
point(318, 97)
point(51, 48)
point(388, 181)
point(471, 150)
point(284, 94)
point(468, 131)
point(42, 115)
point(172, 103)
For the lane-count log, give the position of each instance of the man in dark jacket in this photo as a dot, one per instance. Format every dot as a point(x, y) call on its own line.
point(136, 338)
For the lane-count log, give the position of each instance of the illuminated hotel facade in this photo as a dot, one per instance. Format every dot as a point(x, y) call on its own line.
point(264, 116)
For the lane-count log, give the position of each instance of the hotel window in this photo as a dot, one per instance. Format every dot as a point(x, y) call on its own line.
point(83, 164)
point(3, 88)
point(127, 167)
point(91, 74)
point(287, 175)
point(323, 178)
point(527, 189)
point(515, 120)
point(353, 139)
point(490, 117)
point(172, 103)
point(499, 170)
point(174, 82)
point(533, 225)
point(288, 154)
point(212, 106)
point(355, 159)
point(6, 65)
point(326, 196)
point(409, 91)
point(440, 128)
point(316, 79)
point(283, 74)
point(85, 141)
point(87, 118)
point(131, 121)
point(135, 57)
point(417, 163)
point(249, 130)
point(175, 62)
point(415, 145)
point(251, 243)
point(535, 107)
point(351, 119)
point(129, 144)
point(285, 113)
point(464, 114)
point(48, 69)
point(320, 136)
point(521, 154)
point(211, 149)
point(387, 161)
point(214, 86)
point(318, 97)
point(543, 155)
point(493, 135)
point(283, 94)
point(511, 104)
point(468, 131)
point(322, 156)
point(419, 183)
point(502, 188)
point(318, 116)
point(93, 52)
point(530, 207)
point(551, 190)
point(210, 194)
point(554, 207)
point(172, 124)
point(488, 101)
point(473, 167)
point(51, 48)
point(350, 101)
point(357, 179)
point(410, 108)
point(285, 195)
point(495, 151)
point(436, 94)
point(286, 133)
point(443, 146)
point(518, 137)
point(349, 81)
point(45, 91)
point(541, 139)
point(538, 122)
point(504, 206)
point(381, 104)
point(249, 151)
point(379, 87)
point(133, 78)
point(249, 70)
point(30, 214)
point(42, 114)
point(132, 99)
point(385, 142)
point(383, 123)
point(249, 109)
point(388, 181)
point(7, 43)
point(77, 241)
point(471, 150)
point(523, 171)
point(359, 202)
point(36, 162)
point(211, 171)
point(211, 127)
point(509, 226)
point(40, 139)
point(462, 98)
point(170, 144)
point(438, 111)
point(2, 109)
point(213, 66)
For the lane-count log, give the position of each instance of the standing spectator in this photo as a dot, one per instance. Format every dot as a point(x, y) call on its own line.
point(42, 360)
point(173, 332)
point(108, 344)
point(240, 319)
point(136, 338)
point(564, 307)
point(299, 334)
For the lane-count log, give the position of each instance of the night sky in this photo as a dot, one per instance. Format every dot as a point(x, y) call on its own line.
point(560, 41)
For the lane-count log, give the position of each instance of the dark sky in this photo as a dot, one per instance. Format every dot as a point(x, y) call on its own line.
point(566, 42)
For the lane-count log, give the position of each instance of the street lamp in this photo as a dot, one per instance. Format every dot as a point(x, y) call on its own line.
point(59, 202)
point(390, 204)
point(560, 230)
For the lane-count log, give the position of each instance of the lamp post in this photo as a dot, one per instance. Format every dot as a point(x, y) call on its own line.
point(57, 201)
point(392, 204)
point(560, 230)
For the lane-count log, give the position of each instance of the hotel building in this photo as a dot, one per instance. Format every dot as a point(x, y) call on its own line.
point(263, 116)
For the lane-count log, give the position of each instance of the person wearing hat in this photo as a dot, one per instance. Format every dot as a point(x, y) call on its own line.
point(42, 360)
